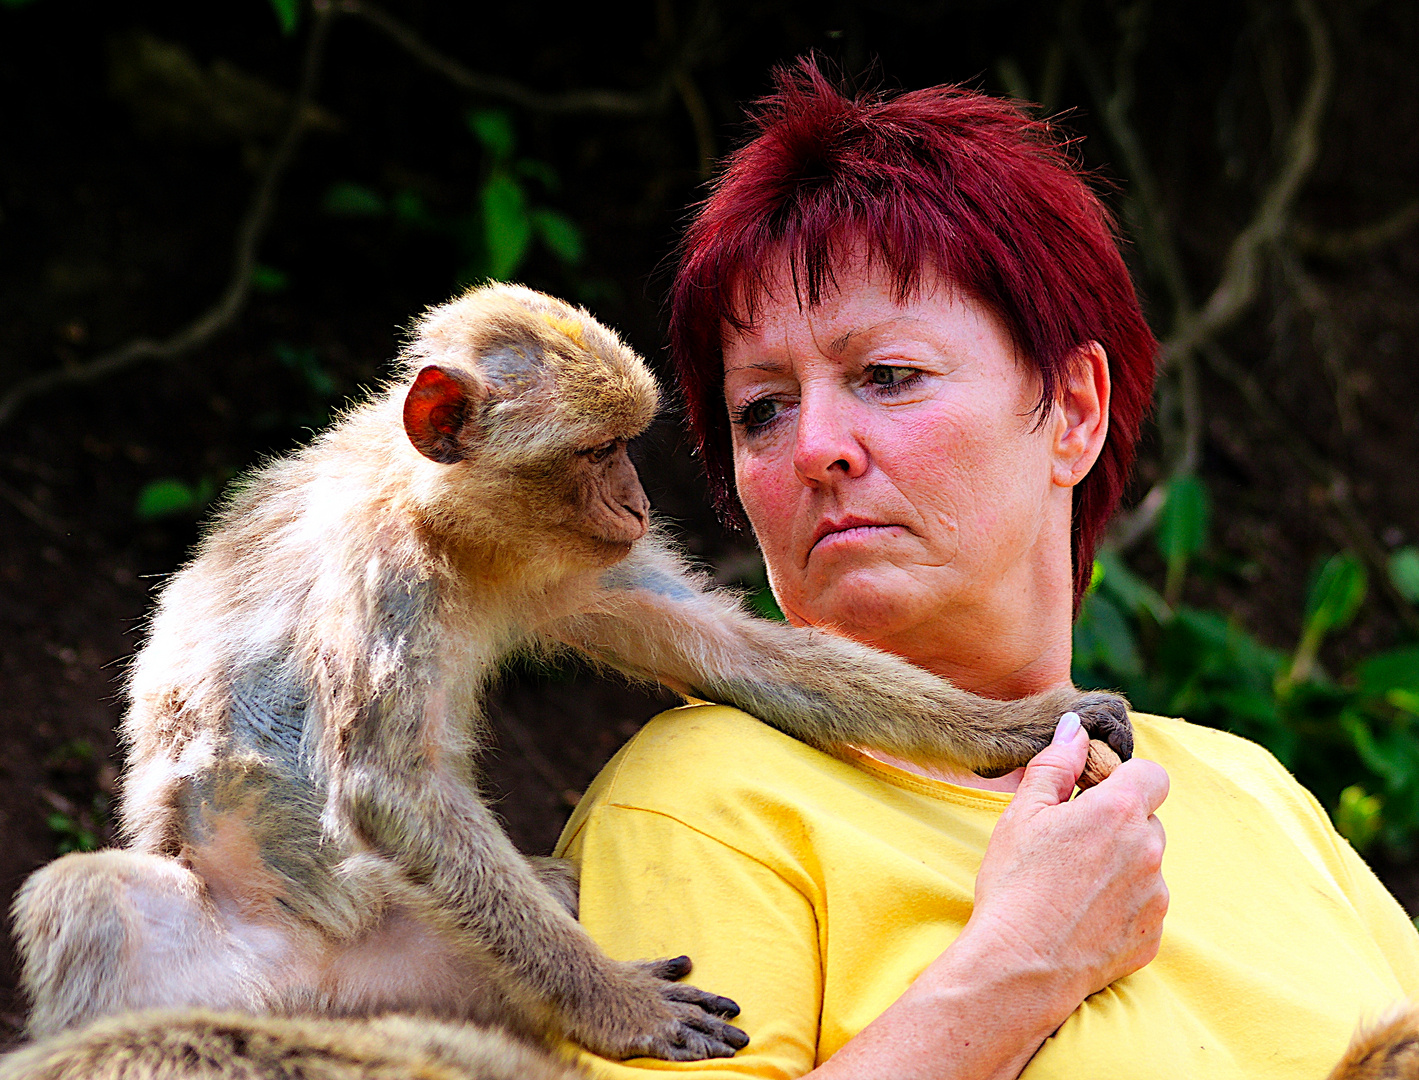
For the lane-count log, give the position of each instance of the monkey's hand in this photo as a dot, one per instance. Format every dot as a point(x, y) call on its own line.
point(648, 1014)
point(1105, 717)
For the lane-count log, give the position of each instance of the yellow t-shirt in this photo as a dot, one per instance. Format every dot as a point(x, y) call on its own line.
point(813, 891)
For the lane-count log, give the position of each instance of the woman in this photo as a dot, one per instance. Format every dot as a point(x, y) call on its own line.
point(912, 355)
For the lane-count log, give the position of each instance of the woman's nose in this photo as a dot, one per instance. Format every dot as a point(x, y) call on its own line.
point(827, 447)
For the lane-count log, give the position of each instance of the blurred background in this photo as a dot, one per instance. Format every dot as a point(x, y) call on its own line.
point(216, 220)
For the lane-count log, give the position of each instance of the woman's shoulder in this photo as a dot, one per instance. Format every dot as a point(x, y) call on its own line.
point(699, 756)
point(1214, 768)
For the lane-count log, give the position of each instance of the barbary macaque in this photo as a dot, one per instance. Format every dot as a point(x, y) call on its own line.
point(196, 1044)
point(303, 830)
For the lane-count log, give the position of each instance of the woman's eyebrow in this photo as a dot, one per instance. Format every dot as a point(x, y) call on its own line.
point(840, 343)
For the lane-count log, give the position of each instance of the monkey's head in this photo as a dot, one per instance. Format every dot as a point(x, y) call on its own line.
point(526, 403)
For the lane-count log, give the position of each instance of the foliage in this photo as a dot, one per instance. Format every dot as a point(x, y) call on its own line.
point(288, 15)
point(1353, 739)
point(496, 234)
point(171, 497)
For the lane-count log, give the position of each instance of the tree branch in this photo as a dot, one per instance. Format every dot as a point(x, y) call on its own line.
point(1339, 491)
point(1237, 288)
point(613, 102)
point(1242, 270)
point(249, 235)
point(1342, 244)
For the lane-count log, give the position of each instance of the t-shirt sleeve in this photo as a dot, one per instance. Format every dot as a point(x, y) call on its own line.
point(1393, 930)
point(653, 886)
point(1379, 912)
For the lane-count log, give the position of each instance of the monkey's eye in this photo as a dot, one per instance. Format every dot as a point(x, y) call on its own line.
point(600, 453)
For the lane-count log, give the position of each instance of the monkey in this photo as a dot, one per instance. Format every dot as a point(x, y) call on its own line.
point(1385, 1050)
point(198, 1044)
point(303, 832)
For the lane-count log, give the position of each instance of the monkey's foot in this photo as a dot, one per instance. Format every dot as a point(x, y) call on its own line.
point(1105, 718)
point(678, 1023)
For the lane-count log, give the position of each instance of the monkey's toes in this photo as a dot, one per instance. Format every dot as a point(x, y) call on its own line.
point(698, 1035)
point(1105, 717)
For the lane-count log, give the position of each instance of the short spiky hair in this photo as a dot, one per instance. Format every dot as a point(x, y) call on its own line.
point(943, 183)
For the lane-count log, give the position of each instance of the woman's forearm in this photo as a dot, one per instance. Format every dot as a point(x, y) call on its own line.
point(1069, 897)
point(979, 1012)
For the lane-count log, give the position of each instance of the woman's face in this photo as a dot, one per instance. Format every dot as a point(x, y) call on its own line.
point(889, 460)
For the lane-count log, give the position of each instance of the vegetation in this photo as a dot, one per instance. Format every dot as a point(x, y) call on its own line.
point(258, 203)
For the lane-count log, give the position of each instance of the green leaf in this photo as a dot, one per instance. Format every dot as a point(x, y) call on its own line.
point(494, 130)
point(349, 199)
point(1396, 669)
point(1404, 572)
point(268, 279)
point(1337, 594)
point(164, 498)
point(1096, 575)
point(539, 171)
point(1359, 816)
point(506, 225)
point(1129, 589)
point(764, 605)
point(1102, 637)
point(560, 234)
point(288, 14)
point(409, 209)
point(305, 364)
point(1183, 523)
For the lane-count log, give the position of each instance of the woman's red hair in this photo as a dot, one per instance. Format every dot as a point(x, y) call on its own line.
point(941, 184)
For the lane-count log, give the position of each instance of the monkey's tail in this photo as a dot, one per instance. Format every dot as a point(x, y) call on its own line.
point(196, 1044)
point(1385, 1050)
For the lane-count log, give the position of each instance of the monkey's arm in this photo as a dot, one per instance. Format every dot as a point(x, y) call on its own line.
point(432, 825)
point(654, 619)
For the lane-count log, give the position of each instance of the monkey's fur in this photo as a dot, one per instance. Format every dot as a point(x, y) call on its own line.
point(1385, 1050)
point(195, 1044)
point(303, 830)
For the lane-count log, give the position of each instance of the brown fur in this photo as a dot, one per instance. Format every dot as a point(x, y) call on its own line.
point(201, 1045)
point(1385, 1050)
point(304, 833)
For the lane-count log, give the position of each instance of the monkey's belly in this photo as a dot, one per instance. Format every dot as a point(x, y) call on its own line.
point(399, 961)
point(405, 964)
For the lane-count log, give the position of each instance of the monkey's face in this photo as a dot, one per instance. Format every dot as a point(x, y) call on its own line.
point(528, 403)
point(529, 471)
point(609, 503)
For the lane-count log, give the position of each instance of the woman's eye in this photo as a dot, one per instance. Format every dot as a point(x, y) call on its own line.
point(756, 414)
point(885, 375)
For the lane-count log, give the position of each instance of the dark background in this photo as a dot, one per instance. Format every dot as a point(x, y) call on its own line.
point(133, 136)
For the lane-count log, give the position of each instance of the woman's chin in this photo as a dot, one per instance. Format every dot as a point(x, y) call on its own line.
point(870, 603)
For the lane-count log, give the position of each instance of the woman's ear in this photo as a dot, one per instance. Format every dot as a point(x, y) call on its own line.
point(1083, 414)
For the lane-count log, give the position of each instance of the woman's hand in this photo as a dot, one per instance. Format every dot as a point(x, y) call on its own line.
point(1076, 886)
point(1070, 896)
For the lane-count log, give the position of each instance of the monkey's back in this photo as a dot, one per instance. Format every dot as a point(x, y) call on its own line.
point(257, 646)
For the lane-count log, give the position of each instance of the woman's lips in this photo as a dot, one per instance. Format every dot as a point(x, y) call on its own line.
point(846, 530)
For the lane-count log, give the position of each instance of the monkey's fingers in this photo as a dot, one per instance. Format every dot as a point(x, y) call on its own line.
point(1102, 761)
point(710, 1003)
point(677, 967)
point(1105, 717)
point(701, 1035)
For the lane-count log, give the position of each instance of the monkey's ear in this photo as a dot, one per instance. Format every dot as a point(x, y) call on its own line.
point(437, 411)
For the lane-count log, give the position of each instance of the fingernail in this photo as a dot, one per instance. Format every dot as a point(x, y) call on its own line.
point(1068, 728)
